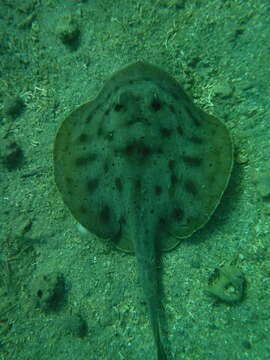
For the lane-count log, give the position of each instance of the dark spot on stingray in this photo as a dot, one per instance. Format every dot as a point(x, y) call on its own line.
point(137, 150)
point(134, 120)
point(97, 108)
point(171, 164)
point(165, 132)
point(106, 100)
point(196, 122)
point(88, 119)
point(83, 138)
point(107, 111)
point(217, 153)
point(162, 224)
point(92, 184)
point(137, 184)
point(176, 95)
point(192, 160)
point(172, 108)
point(161, 220)
point(174, 179)
point(100, 131)
point(131, 82)
point(180, 130)
point(68, 180)
point(84, 160)
point(178, 213)
point(83, 209)
point(159, 150)
point(109, 136)
point(156, 104)
point(158, 190)
point(92, 157)
point(118, 184)
point(105, 214)
point(191, 187)
point(106, 167)
point(129, 149)
point(211, 179)
point(145, 151)
point(122, 220)
point(119, 107)
point(196, 140)
point(137, 99)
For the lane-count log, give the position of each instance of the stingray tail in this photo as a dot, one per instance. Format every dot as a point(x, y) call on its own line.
point(146, 253)
point(149, 280)
point(161, 355)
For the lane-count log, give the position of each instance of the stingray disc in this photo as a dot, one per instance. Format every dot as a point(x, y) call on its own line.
point(142, 144)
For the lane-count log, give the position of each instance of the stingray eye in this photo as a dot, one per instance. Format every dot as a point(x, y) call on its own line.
point(119, 107)
point(156, 104)
point(178, 213)
point(145, 150)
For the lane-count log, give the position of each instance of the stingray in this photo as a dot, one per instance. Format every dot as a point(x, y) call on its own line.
point(143, 166)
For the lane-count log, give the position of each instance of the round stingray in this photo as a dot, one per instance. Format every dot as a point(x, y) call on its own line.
point(142, 147)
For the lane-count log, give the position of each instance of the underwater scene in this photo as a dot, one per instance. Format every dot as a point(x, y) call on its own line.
point(134, 180)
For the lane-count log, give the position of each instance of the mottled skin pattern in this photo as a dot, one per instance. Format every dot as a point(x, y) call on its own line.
point(142, 165)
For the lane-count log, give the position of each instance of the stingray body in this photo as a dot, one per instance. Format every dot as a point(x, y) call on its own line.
point(143, 166)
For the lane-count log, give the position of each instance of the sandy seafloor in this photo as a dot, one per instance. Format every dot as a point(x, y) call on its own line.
point(219, 51)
